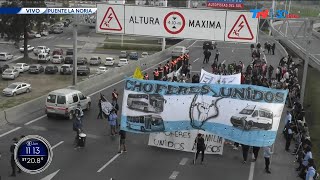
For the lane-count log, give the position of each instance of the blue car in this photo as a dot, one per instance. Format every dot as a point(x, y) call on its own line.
point(133, 56)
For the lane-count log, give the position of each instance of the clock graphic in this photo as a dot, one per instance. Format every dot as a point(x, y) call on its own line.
point(33, 154)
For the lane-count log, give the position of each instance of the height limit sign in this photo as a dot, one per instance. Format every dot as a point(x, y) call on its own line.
point(174, 22)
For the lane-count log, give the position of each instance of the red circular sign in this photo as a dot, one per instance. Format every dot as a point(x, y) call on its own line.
point(166, 22)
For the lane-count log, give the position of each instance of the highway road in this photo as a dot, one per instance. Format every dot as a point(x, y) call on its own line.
point(300, 42)
point(99, 159)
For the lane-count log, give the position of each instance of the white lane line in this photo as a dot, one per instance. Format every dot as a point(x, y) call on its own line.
point(192, 44)
point(223, 61)
point(251, 169)
point(57, 144)
point(13, 130)
point(109, 162)
point(196, 60)
point(174, 175)
point(183, 161)
point(37, 119)
point(68, 38)
point(51, 176)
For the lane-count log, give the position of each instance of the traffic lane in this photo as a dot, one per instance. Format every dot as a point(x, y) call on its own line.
point(226, 166)
point(282, 162)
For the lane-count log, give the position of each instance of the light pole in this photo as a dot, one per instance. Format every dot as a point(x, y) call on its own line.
point(163, 45)
point(287, 21)
point(75, 48)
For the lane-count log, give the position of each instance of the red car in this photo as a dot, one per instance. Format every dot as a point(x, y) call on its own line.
point(57, 51)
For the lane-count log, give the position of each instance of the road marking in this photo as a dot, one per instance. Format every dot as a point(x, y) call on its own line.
point(68, 38)
point(183, 161)
point(196, 60)
point(13, 130)
point(57, 144)
point(192, 44)
point(50, 176)
point(37, 119)
point(109, 162)
point(37, 128)
point(251, 169)
point(174, 175)
point(93, 136)
point(223, 61)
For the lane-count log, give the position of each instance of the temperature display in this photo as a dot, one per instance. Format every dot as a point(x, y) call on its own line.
point(33, 154)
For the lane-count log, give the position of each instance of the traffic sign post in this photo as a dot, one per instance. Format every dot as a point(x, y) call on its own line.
point(177, 23)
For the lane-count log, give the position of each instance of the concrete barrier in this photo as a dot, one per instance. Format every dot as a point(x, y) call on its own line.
point(88, 86)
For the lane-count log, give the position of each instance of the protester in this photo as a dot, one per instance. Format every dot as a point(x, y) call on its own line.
point(77, 127)
point(288, 137)
point(216, 58)
point(115, 95)
point(12, 161)
point(311, 172)
point(113, 122)
point(122, 135)
point(100, 109)
point(267, 155)
point(255, 152)
point(199, 141)
point(245, 151)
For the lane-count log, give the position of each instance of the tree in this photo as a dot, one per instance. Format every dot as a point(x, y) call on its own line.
point(14, 26)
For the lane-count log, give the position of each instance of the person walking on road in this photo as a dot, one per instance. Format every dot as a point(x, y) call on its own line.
point(217, 56)
point(100, 109)
point(122, 135)
point(245, 151)
point(273, 48)
point(267, 155)
point(12, 161)
point(289, 137)
point(255, 151)
point(199, 142)
point(77, 127)
point(113, 122)
point(115, 95)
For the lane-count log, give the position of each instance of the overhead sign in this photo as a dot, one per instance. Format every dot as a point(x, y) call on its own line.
point(225, 4)
point(184, 141)
point(176, 23)
point(246, 114)
point(116, 1)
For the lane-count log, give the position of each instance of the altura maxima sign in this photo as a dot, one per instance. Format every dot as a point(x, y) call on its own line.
point(177, 23)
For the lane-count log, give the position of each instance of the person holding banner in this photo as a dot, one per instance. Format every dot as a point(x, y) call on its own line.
point(113, 122)
point(199, 141)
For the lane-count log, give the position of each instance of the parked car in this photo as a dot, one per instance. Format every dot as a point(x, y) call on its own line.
point(16, 88)
point(36, 69)
point(63, 102)
point(44, 33)
point(123, 54)
point(44, 58)
point(21, 67)
point(82, 60)
point(37, 35)
point(59, 25)
point(69, 52)
point(109, 61)
point(29, 48)
point(4, 56)
point(133, 56)
point(123, 62)
point(57, 31)
point(178, 51)
point(95, 60)
point(10, 73)
point(83, 70)
point(57, 51)
point(144, 54)
point(253, 117)
point(51, 69)
point(57, 59)
point(68, 60)
point(102, 69)
point(4, 67)
point(41, 49)
point(66, 69)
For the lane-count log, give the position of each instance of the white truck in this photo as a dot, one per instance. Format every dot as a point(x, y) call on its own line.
point(41, 49)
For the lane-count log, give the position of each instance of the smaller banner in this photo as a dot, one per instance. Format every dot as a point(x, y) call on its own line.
point(174, 73)
point(184, 141)
point(106, 106)
point(209, 78)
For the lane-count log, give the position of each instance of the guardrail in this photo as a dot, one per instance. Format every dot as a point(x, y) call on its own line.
point(89, 86)
point(314, 62)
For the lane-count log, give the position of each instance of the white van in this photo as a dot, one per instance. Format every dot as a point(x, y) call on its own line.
point(178, 51)
point(64, 101)
point(253, 117)
point(44, 57)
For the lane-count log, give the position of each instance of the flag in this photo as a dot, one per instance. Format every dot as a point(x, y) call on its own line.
point(138, 74)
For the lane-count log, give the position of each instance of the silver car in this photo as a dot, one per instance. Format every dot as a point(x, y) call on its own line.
point(10, 74)
point(95, 60)
point(16, 88)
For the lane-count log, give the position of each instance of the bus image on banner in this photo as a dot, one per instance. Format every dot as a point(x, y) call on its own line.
point(146, 123)
point(146, 102)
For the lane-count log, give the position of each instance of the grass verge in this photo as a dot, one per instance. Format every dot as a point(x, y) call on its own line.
point(312, 102)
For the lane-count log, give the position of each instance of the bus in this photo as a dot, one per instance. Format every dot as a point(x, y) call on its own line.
point(146, 123)
point(146, 102)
